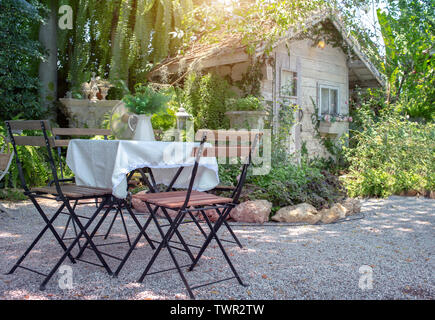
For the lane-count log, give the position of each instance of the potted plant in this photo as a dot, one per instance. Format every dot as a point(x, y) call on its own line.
point(143, 105)
point(248, 113)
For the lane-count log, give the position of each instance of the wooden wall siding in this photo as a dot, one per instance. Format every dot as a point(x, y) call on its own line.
point(315, 66)
point(326, 66)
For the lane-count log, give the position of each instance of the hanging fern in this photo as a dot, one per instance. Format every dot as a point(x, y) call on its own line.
point(81, 50)
point(119, 39)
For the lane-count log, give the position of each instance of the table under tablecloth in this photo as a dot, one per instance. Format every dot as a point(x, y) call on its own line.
point(106, 163)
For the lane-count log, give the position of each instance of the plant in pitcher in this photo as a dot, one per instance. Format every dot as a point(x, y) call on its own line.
point(145, 103)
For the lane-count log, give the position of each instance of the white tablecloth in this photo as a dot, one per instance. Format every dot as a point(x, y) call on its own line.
point(105, 163)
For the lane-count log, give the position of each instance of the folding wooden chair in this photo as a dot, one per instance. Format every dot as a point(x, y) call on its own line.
point(64, 194)
point(186, 202)
point(62, 140)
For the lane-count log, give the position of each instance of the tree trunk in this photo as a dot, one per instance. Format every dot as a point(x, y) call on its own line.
point(48, 68)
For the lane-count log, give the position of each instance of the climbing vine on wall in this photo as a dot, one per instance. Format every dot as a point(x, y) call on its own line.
point(250, 84)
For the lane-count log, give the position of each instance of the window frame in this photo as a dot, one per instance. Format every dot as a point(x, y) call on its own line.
point(329, 87)
point(295, 76)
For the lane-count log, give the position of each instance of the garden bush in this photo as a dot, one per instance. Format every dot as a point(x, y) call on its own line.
point(19, 57)
point(389, 155)
point(288, 183)
point(205, 98)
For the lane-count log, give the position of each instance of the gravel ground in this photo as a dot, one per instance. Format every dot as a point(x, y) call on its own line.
point(395, 237)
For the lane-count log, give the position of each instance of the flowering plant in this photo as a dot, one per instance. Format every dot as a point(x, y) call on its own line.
point(335, 118)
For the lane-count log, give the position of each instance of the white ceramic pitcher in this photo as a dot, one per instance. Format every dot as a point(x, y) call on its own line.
point(144, 129)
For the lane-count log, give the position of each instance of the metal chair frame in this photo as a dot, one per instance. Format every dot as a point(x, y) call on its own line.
point(223, 211)
point(107, 199)
point(60, 143)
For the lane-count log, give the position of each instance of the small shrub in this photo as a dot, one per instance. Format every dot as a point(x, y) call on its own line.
point(12, 195)
point(19, 57)
point(290, 184)
point(249, 103)
point(390, 155)
point(146, 100)
point(205, 98)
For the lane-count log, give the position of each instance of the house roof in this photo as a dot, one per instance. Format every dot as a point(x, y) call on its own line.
point(230, 50)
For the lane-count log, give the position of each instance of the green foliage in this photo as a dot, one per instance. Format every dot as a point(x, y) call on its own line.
point(36, 169)
point(390, 154)
point(19, 56)
point(166, 120)
point(146, 100)
point(250, 84)
point(118, 39)
point(249, 103)
point(289, 183)
point(12, 195)
point(408, 30)
point(205, 98)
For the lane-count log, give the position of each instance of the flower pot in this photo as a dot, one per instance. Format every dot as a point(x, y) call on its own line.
point(247, 119)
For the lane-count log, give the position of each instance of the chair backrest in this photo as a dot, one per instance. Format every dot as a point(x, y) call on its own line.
point(199, 151)
point(76, 132)
point(231, 144)
point(15, 129)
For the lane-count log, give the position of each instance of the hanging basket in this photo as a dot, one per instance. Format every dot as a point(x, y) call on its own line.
point(5, 158)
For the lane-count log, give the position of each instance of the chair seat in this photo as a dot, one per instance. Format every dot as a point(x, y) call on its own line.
point(175, 199)
point(74, 191)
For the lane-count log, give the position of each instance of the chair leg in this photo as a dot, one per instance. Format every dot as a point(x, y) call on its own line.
point(68, 222)
point(210, 236)
point(66, 228)
point(94, 231)
point(136, 241)
point(111, 224)
point(180, 272)
point(197, 224)
point(183, 243)
point(72, 245)
point(164, 242)
point(226, 224)
point(227, 258)
point(131, 213)
point(125, 227)
point(233, 234)
point(38, 237)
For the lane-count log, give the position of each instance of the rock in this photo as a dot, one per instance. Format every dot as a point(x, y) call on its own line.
point(328, 216)
point(338, 211)
point(257, 211)
point(353, 206)
point(299, 213)
point(342, 211)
